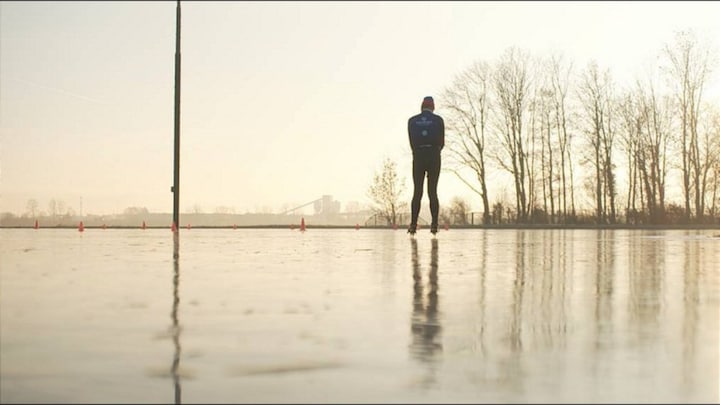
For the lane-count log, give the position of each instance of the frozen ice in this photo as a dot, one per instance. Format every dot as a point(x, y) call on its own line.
point(369, 315)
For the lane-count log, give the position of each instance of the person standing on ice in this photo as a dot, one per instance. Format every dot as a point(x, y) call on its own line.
point(426, 132)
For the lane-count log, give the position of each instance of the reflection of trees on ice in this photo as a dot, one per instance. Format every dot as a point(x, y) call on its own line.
point(426, 345)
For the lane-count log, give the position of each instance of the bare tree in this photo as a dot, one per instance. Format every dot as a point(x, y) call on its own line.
point(223, 209)
point(652, 149)
point(631, 124)
point(709, 135)
point(61, 208)
point(134, 211)
point(52, 208)
point(467, 101)
point(596, 98)
point(561, 72)
point(714, 180)
point(31, 208)
point(534, 130)
point(543, 127)
point(459, 210)
point(511, 82)
point(548, 152)
point(386, 190)
point(688, 65)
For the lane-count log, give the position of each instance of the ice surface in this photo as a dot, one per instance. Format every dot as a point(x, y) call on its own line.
point(369, 315)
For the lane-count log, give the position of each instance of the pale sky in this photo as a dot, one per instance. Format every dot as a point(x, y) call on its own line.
point(282, 102)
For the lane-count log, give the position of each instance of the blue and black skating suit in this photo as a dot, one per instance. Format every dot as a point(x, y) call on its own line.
point(426, 132)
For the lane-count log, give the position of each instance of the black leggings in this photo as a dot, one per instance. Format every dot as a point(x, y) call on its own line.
point(425, 160)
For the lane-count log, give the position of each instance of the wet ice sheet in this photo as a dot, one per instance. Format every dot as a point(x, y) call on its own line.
point(359, 316)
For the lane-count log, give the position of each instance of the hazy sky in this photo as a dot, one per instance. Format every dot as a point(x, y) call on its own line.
point(282, 102)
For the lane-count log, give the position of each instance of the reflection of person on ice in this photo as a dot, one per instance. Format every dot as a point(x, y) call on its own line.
point(427, 138)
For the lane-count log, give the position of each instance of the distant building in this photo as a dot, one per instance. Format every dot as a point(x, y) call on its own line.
point(352, 206)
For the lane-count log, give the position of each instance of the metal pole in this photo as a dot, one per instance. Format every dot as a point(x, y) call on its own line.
point(176, 176)
point(176, 209)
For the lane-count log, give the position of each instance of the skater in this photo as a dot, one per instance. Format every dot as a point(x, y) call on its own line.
point(426, 132)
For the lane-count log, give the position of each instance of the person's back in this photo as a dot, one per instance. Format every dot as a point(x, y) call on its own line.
point(426, 130)
point(426, 133)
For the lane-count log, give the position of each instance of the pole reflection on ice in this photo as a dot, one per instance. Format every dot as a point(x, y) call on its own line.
point(425, 325)
point(174, 314)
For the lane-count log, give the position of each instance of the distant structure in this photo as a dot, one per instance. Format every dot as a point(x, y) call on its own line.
point(324, 205)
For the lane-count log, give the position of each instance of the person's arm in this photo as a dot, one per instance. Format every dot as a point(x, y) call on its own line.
point(442, 133)
point(410, 140)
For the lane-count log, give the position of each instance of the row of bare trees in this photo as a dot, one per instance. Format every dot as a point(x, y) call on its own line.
point(55, 208)
point(558, 132)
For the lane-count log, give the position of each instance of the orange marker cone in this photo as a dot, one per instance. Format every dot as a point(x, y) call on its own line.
point(104, 226)
point(292, 227)
point(173, 227)
point(81, 227)
point(143, 225)
point(302, 224)
point(357, 226)
point(447, 226)
point(36, 224)
point(234, 226)
point(188, 226)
